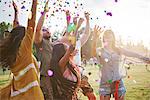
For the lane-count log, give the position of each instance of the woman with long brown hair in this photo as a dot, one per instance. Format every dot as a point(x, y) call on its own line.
point(16, 53)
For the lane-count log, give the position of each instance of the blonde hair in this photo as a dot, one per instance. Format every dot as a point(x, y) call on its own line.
point(107, 33)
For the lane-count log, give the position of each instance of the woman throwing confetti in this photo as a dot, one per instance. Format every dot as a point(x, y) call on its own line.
point(109, 57)
point(16, 53)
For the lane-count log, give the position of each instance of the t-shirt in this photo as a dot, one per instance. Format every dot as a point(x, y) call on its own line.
point(112, 63)
point(25, 84)
point(44, 54)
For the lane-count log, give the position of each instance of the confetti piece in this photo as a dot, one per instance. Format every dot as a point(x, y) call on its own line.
point(23, 7)
point(9, 14)
point(54, 3)
point(9, 5)
point(41, 49)
point(109, 81)
point(128, 76)
point(106, 60)
point(52, 15)
point(67, 2)
point(116, 0)
point(5, 2)
point(109, 13)
point(134, 81)
point(97, 80)
point(89, 73)
point(42, 13)
point(50, 73)
point(68, 18)
point(71, 27)
point(56, 10)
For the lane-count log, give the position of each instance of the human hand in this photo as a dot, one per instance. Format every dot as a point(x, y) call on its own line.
point(15, 7)
point(87, 16)
point(46, 9)
point(97, 31)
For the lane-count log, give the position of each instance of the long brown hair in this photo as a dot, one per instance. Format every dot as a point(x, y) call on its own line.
point(9, 46)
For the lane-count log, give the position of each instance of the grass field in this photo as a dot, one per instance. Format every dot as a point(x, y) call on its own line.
point(137, 85)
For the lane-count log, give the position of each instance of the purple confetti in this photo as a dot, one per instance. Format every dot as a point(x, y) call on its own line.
point(109, 13)
point(23, 7)
point(42, 13)
point(116, 0)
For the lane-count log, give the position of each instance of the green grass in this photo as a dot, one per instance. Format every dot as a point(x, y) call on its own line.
point(139, 90)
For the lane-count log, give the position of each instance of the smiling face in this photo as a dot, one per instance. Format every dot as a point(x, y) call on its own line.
point(108, 38)
point(46, 33)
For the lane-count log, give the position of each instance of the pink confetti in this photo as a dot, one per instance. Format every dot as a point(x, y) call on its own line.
point(50, 73)
point(68, 18)
point(41, 49)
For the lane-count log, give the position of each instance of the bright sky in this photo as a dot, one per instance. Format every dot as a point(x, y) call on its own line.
point(130, 18)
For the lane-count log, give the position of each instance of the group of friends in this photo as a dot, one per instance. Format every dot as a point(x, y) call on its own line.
point(31, 79)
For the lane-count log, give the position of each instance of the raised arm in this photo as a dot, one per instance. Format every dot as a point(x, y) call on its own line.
point(27, 42)
point(86, 34)
point(68, 18)
point(31, 22)
point(38, 33)
point(15, 22)
point(64, 60)
point(96, 33)
point(134, 54)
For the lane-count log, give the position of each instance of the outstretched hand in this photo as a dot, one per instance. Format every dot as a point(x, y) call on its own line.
point(97, 31)
point(15, 7)
point(46, 9)
point(87, 16)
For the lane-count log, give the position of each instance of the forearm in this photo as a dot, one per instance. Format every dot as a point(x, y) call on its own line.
point(41, 21)
point(38, 33)
point(15, 22)
point(31, 22)
point(94, 47)
point(64, 60)
point(86, 34)
point(131, 54)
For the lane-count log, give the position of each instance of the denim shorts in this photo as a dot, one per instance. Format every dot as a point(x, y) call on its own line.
point(105, 89)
